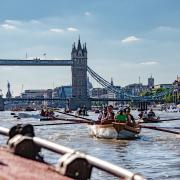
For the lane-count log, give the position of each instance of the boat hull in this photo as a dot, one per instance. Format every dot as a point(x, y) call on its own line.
point(113, 131)
point(151, 120)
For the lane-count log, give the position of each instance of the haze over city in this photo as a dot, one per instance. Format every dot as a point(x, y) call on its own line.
point(127, 38)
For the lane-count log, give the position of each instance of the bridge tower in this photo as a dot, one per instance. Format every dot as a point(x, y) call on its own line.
point(80, 95)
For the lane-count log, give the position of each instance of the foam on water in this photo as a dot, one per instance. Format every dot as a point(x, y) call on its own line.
point(108, 133)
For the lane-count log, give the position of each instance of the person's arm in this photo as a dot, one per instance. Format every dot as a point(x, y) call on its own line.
point(100, 116)
point(128, 118)
point(104, 117)
point(116, 117)
point(133, 120)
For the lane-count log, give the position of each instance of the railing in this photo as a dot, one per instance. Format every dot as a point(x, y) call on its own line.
point(92, 161)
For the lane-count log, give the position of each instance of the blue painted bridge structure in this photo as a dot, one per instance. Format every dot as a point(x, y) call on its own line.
point(35, 62)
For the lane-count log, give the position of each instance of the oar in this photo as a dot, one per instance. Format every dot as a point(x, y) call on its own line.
point(51, 124)
point(160, 129)
point(83, 118)
point(163, 120)
point(173, 119)
point(170, 127)
point(69, 120)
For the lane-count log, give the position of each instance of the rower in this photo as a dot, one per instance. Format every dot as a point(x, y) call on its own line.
point(121, 116)
point(109, 117)
point(141, 115)
point(103, 114)
point(151, 114)
point(42, 112)
point(130, 118)
point(84, 111)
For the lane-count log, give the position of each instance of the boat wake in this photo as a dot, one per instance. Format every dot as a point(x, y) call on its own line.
point(108, 133)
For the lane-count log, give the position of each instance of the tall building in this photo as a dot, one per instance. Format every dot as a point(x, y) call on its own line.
point(79, 70)
point(8, 94)
point(134, 89)
point(99, 93)
point(150, 82)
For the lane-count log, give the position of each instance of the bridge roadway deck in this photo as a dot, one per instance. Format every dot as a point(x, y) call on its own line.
point(36, 62)
point(34, 99)
point(65, 99)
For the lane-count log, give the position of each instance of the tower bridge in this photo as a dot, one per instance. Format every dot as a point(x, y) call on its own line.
point(79, 69)
point(78, 63)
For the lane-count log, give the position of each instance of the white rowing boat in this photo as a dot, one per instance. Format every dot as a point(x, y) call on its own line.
point(114, 130)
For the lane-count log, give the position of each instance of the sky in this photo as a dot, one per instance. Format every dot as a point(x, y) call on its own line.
point(126, 39)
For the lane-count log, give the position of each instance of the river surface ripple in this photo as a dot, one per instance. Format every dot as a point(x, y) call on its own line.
point(155, 154)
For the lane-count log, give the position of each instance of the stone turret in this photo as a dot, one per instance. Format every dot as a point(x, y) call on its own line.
point(79, 75)
point(8, 94)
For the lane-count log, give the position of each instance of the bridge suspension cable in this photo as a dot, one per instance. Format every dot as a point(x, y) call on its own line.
point(107, 85)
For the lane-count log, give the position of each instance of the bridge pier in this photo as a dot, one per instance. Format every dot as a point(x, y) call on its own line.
point(75, 103)
point(1, 104)
point(142, 106)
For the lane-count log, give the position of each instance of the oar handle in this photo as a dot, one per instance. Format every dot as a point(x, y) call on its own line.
point(90, 120)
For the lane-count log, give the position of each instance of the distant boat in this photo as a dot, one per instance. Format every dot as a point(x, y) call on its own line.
point(173, 109)
point(150, 120)
point(30, 109)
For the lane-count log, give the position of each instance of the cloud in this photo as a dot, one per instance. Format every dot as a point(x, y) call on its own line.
point(72, 29)
point(33, 21)
point(164, 28)
point(149, 63)
point(56, 30)
point(130, 39)
point(8, 26)
point(87, 13)
point(13, 22)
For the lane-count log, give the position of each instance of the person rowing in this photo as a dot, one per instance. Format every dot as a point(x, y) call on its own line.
point(121, 116)
point(141, 115)
point(109, 118)
point(151, 114)
point(130, 118)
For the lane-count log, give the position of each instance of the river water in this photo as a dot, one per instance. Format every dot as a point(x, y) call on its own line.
point(155, 154)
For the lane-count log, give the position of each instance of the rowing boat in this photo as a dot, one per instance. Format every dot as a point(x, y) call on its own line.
point(114, 131)
point(150, 120)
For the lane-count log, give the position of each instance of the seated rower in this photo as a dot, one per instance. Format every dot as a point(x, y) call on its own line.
point(130, 118)
point(141, 115)
point(103, 114)
point(42, 112)
point(121, 117)
point(109, 117)
point(151, 114)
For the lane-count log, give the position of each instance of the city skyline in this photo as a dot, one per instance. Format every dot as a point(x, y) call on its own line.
point(129, 39)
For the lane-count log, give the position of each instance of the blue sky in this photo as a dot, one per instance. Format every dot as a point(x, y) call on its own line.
point(125, 39)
